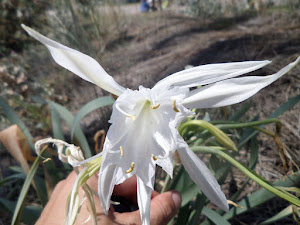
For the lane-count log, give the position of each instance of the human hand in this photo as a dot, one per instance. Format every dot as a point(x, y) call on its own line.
point(163, 206)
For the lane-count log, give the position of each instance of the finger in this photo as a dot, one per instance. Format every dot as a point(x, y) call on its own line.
point(127, 188)
point(163, 208)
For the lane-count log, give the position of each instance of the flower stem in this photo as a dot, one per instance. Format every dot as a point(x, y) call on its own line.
point(208, 150)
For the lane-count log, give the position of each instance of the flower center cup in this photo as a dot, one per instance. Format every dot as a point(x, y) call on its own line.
point(143, 131)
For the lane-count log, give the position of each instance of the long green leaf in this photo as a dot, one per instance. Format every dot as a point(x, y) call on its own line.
point(56, 124)
point(261, 196)
point(89, 107)
point(20, 203)
point(4, 181)
point(13, 117)
point(214, 217)
point(30, 213)
point(183, 184)
point(253, 176)
point(285, 106)
point(280, 110)
point(198, 206)
point(183, 215)
point(69, 118)
point(240, 113)
point(279, 216)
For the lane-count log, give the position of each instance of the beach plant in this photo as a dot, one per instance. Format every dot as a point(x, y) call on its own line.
point(152, 116)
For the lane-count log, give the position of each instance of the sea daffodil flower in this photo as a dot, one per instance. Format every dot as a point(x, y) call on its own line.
point(143, 130)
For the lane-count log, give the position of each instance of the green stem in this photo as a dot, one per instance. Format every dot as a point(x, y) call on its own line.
point(229, 125)
point(220, 136)
point(232, 125)
point(247, 172)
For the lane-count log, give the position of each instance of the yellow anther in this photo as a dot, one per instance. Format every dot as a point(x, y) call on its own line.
point(132, 117)
point(68, 152)
point(121, 149)
point(131, 168)
point(174, 106)
point(46, 160)
point(154, 158)
point(155, 107)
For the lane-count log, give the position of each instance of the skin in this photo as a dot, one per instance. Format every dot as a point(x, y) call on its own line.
point(163, 206)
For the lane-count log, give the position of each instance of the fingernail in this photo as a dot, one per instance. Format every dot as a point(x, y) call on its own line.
point(176, 199)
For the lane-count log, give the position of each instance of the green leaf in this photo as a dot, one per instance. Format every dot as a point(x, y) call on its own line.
point(280, 110)
point(4, 181)
point(251, 174)
point(214, 217)
point(13, 117)
point(183, 184)
point(198, 206)
point(69, 118)
point(89, 107)
point(183, 215)
point(290, 189)
point(253, 153)
point(262, 195)
point(30, 213)
point(189, 193)
point(279, 216)
point(240, 113)
point(20, 203)
point(56, 124)
point(285, 106)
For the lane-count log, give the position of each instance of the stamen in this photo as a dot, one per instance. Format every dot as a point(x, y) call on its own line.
point(154, 158)
point(131, 168)
point(121, 149)
point(174, 106)
point(68, 152)
point(46, 160)
point(155, 107)
point(124, 113)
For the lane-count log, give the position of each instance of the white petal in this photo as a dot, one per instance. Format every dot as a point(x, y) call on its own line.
point(82, 65)
point(106, 183)
point(144, 199)
point(202, 176)
point(233, 90)
point(211, 73)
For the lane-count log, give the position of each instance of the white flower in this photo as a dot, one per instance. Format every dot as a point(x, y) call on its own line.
point(143, 133)
point(72, 154)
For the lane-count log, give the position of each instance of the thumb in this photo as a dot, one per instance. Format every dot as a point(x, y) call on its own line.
point(164, 207)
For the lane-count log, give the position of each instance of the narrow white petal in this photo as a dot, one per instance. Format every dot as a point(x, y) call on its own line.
point(106, 183)
point(144, 199)
point(233, 90)
point(82, 65)
point(202, 176)
point(211, 73)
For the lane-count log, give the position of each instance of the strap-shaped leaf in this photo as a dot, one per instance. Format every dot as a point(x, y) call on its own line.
point(69, 118)
point(88, 108)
